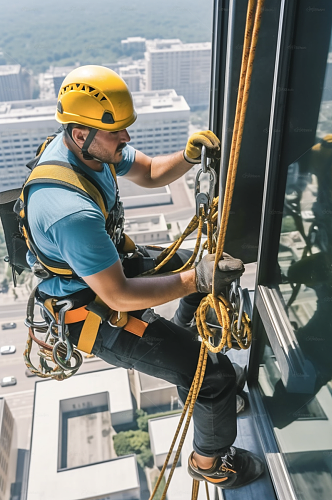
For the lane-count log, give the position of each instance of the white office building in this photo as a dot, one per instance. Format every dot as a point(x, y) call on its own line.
point(148, 229)
point(162, 124)
point(161, 128)
point(24, 125)
point(76, 419)
point(132, 76)
point(15, 83)
point(185, 67)
point(8, 450)
point(133, 44)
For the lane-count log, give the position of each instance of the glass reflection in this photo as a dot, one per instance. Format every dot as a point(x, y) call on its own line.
point(302, 419)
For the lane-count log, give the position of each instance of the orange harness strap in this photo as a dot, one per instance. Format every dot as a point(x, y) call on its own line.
point(92, 322)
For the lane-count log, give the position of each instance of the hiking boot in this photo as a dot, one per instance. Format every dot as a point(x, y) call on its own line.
point(235, 469)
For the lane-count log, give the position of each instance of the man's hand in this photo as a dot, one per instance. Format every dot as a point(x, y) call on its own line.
point(206, 138)
point(228, 270)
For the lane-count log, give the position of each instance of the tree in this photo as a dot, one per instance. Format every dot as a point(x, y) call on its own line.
point(137, 442)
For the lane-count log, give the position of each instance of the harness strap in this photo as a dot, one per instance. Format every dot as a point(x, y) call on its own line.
point(92, 322)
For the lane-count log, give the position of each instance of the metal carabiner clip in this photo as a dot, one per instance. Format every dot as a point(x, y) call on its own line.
point(62, 328)
point(237, 300)
point(63, 362)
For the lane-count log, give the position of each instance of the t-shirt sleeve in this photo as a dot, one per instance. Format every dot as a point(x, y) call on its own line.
point(128, 158)
point(83, 242)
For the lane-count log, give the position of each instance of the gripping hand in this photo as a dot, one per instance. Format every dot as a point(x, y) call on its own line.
point(206, 138)
point(227, 271)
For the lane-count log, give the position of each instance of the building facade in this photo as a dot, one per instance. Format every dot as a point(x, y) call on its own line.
point(162, 124)
point(24, 125)
point(8, 450)
point(161, 128)
point(81, 462)
point(15, 83)
point(184, 67)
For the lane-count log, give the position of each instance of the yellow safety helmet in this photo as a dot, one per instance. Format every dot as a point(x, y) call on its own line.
point(96, 97)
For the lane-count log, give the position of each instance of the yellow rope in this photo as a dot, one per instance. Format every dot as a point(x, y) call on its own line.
point(221, 306)
point(195, 489)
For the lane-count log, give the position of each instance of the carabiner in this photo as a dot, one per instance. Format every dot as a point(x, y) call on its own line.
point(237, 301)
point(204, 159)
point(62, 327)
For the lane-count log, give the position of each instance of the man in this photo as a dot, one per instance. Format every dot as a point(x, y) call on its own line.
point(95, 108)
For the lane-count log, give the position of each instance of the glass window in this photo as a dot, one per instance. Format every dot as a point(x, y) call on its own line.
point(301, 413)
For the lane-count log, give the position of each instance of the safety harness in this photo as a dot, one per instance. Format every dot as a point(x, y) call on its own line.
point(58, 313)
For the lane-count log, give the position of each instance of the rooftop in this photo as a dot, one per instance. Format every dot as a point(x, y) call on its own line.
point(27, 111)
point(145, 224)
point(133, 39)
point(149, 383)
point(155, 101)
point(175, 45)
point(90, 481)
point(161, 431)
point(9, 69)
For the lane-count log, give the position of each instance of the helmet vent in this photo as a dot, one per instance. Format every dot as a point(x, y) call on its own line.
point(82, 87)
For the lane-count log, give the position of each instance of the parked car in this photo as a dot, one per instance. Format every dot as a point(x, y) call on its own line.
point(7, 349)
point(8, 381)
point(28, 373)
point(8, 326)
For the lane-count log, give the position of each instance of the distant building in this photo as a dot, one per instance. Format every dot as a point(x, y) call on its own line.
point(15, 83)
point(134, 196)
point(162, 124)
point(81, 463)
point(51, 81)
point(147, 229)
point(161, 128)
point(161, 431)
point(133, 45)
point(24, 125)
point(184, 67)
point(8, 450)
point(133, 72)
point(132, 77)
point(151, 392)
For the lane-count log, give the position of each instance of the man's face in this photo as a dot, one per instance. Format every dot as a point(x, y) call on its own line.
point(108, 146)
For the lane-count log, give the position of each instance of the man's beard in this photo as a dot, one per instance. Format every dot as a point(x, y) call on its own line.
point(103, 155)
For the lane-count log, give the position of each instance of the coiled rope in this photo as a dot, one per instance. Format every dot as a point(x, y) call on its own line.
point(221, 306)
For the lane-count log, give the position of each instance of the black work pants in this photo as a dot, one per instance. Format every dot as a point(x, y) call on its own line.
point(171, 352)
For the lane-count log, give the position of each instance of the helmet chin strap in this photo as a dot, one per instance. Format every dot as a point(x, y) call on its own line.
point(87, 142)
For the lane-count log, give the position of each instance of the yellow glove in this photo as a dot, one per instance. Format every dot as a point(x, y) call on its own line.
point(206, 138)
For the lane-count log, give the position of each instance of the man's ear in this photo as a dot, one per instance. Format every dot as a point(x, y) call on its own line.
point(79, 135)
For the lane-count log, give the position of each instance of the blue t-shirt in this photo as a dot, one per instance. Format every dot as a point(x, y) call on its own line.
point(68, 227)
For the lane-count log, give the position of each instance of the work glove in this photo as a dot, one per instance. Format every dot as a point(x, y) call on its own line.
point(206, 138)
point(227, 271)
